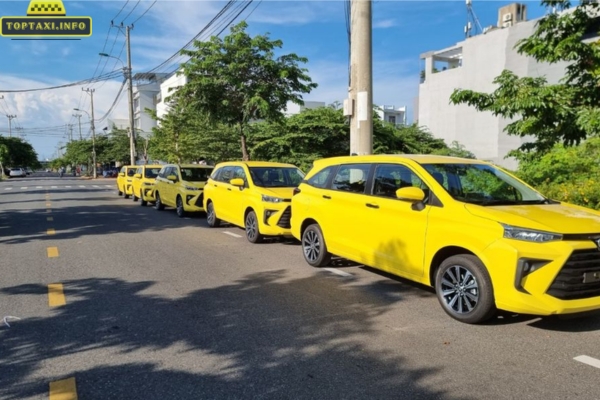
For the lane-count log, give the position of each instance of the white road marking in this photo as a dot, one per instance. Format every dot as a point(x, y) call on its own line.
point(95, 186)
point(108, 186)
point(53, 187)
point(24, 187)
point(338, 272)
point(588, 360)
point(67, 186)
point(81, 186)
point(232, 234)
point(8, 188)
point(39, 187)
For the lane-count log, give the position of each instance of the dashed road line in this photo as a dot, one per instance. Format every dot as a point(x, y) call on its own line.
point(594, 362)
point(39, 187)
point(81, 186)
point(338, 272)
point(51, 232)
point(232, 234)
point(53, 187)
point(109, 186)
point(56, 295)
point(67, 186)
point(24, 187)
point(48, 205)
point(65, 389)
point(8, 188)
point(49, 219)
point(95, 186)
point(52, 252)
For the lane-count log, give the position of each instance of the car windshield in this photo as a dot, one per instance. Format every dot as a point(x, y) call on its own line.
point(192, 174)
point(151, 172)
point(483, 184)
point(276, 176)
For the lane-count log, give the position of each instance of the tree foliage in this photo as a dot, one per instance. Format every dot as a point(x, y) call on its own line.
point(17, 153)
point(238, 79)
point(566, 112)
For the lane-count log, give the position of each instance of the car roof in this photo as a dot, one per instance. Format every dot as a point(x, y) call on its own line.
point(418, 158)
point(257, 164)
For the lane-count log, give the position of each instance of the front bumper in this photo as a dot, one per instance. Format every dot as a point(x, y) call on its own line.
point(128, 188)
point(148, 193)
point(193, 200)
point(561, 277)
point(275, 219)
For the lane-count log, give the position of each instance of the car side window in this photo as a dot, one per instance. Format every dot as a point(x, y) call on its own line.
point(226, 175)
point(162, 171)
point(390, 177)
point(140, 171)
point(238, 172)
point(351, 178)
point(122, 169)
point(319, 180)
point(216, 173)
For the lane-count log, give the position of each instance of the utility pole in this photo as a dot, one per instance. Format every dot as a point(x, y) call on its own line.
point(78, 116)
point(361, 78)
point(91, 93)
point(10, 118)
point(70, 133)
point(130, 89)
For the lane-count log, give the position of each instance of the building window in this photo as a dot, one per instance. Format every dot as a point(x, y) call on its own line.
point(136, 104)
point(138, 123)
point(392, 119)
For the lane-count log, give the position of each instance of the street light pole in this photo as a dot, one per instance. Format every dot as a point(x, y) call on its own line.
point(10, 118)
point(91, 93)
point(78, 116)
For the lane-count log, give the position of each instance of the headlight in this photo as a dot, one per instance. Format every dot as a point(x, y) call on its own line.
point(270, 199)
point(192, 188)
point(529, 235)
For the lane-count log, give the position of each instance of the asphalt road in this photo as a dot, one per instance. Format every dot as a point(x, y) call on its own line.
point(119, 301)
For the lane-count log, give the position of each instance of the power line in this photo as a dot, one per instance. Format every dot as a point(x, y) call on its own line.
point(122, 8)
point(136, 4)
point(107, 76)
point(148, 9)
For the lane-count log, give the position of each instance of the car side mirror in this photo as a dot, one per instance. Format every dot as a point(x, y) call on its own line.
point(411, 194)
point(121, 173)
point(239, 182)
point(139, 176)
point(172, 178)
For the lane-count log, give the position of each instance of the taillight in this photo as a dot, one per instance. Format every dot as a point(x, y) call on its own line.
point(296, 191)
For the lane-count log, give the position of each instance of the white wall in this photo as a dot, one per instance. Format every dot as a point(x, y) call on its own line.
point(173, 81)
point(484, 57)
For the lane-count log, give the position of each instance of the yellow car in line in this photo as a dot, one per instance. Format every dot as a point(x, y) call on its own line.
point(181, 186)
point(254, 195)
point(482, 238)
point(124, 180)
point(143, 183)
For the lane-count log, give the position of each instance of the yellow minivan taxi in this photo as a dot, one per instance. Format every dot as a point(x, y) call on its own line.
point(143, 183)
point(124, 180)
point(481, 237)
point(254, 195)
point(181, 186)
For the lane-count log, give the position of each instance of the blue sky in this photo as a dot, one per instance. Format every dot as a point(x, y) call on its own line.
point(315, 29)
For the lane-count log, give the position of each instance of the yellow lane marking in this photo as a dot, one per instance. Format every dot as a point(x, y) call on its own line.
point(56, 295)
point(51, 231)
point(63, 390)
point(49, 219)
point(48, 210)
point(52, 252)
point(48, 205)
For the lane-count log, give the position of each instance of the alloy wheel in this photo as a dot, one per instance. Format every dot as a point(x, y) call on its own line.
point(460, 290)
point(251, 226)
point(311, 246)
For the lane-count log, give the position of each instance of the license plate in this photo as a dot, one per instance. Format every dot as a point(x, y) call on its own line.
point(589, 277)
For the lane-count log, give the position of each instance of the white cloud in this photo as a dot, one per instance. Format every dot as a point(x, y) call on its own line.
point(393, 84)
point(385, 23)
point(52, 108)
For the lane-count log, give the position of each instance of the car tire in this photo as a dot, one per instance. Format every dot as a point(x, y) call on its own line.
point(464, 289)
point(251, 225)
point(211, 215)
point(143, 202)
point(120, 193)
point(314, 247)
point(179, 207)
point(125, 195)
point(159, 205)
point(134, 197)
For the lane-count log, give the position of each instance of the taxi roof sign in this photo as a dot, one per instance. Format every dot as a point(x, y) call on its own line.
point(46, 8)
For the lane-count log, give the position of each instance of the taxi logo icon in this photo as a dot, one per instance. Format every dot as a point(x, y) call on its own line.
point(46, 19)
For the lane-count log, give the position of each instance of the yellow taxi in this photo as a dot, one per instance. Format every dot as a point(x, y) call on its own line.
point(181, 186)
point(254, 195)
point(143, 183)
point(125, 180)
point(481, 237)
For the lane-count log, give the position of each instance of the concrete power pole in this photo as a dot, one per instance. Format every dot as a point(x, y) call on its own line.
point(130, 90)
point(10, 118)
point(78, 116)
point(361, 78)
point(91, 93)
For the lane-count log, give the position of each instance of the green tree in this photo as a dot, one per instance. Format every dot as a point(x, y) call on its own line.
point(3, 158)
point(19, 153)
point(238, 79)
point(566, 112)
point(455, 150)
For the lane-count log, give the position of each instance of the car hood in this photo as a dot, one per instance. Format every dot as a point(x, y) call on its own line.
point(194, 184)
point(558, 218)
point(284, 193)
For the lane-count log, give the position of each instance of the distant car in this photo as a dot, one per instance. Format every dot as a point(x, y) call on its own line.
point(17, 172)
point(28, 171)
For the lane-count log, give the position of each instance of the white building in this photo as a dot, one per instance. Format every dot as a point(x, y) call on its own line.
point(473, 64)
point(391, 114)
point(167, 86)
point(293, 108)
point(147, 86)
point(119, 123)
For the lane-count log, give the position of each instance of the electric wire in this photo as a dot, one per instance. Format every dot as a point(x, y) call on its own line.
point(134, 7)
point(107, 76)
point(148, 9)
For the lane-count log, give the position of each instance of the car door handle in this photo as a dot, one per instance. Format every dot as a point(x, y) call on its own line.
point(229, 189)
point(326, 197)
point(372, 205)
